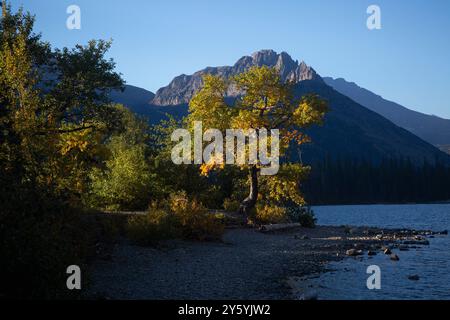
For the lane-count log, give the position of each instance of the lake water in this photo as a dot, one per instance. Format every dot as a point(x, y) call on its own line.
point(431, 263)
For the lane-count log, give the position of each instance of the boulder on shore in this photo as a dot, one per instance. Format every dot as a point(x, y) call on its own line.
point(353, 252)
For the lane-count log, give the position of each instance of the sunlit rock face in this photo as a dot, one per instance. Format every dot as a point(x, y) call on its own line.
point(183, 87)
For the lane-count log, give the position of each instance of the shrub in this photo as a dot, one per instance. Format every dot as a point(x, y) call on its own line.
point(126, 184)
point(195, 220)
point(176, 217)
point(231, 205)
point(270, 214)
point(211, 197)
point(303, 215)
point(156, 225)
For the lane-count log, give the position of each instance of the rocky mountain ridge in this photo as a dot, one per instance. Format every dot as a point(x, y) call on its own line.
point(183, 87)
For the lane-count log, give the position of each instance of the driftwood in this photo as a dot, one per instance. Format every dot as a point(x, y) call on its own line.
point(279, 226)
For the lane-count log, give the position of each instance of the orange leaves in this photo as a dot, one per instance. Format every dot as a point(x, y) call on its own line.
point(215, 162)
point(74, 144)
point(296, 136)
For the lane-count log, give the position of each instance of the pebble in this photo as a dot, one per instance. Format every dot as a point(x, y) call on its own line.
point(312, 295)
point(394, 257)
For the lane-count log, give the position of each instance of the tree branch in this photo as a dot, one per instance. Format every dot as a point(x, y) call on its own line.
point(61, 131)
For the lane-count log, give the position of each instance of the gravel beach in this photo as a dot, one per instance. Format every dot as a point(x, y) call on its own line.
point(247, 264)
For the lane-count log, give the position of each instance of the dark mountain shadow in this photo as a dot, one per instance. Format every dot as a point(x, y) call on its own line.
point(431, 128)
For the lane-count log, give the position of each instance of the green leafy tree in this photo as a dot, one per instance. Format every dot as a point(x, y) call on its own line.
point(127, 181)
point(55, 109)
point(54, 120)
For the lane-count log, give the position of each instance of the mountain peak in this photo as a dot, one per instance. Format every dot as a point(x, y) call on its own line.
point(265, 57)
point(183, 88)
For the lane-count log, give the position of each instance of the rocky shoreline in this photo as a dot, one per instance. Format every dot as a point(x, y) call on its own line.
point(247, 264)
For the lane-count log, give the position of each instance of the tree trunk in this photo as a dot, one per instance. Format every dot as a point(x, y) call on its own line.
point(249, 203)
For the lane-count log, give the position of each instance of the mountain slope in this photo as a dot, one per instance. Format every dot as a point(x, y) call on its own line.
point(350, 131)
point(137, 99)
point(430, 128)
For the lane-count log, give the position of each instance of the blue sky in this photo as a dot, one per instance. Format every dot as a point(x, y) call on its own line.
point(407, 61)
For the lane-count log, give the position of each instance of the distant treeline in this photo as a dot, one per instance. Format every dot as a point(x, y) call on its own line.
point(391, 181)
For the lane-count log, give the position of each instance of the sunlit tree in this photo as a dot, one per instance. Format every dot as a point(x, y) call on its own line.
point(264, 102)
